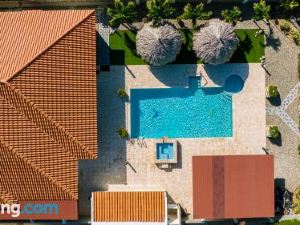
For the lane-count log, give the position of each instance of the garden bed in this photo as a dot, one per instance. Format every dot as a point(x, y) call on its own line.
point(122, 48)
point(289, 30)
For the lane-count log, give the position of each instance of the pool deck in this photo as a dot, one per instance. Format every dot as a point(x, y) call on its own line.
point(249, 121)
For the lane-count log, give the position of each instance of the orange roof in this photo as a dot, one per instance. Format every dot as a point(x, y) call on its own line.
point(129, 206)
point(27, 34)
point(47, 102)
point(233, 186)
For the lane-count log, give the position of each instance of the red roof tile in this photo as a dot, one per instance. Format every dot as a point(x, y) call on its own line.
point(27, 34)
point(147, 206)
point(233, 186)
point(47, 102)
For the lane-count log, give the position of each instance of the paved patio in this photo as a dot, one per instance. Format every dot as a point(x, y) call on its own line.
point(249, 119)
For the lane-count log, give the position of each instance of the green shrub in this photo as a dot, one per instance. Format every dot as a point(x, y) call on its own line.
point(273, 132)
point(285, 27)
point(272, 91)
point(296, 37)
point(296, 201)
point(288, 222)
point(123, 132)
point(122, 93)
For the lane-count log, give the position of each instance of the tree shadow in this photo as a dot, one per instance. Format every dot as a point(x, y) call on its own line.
point(219, 74)
point(117, 57)
point(186, 55)
point(130, 44)
point(275, 101)
point(174, 75)
point(272, 41)
point(244, 46)
point(276, 141)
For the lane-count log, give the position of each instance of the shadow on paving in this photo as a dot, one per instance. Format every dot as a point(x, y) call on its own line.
point(110, 166)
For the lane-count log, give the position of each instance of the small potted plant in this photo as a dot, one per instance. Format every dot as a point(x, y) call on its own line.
point(273, 132)
point(272, 91)
point(123, 132)
point(122, 93)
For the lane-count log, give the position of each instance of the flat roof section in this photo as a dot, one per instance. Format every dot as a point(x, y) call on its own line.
point(233, 186)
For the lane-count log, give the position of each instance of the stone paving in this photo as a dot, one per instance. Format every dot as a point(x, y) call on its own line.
point(281, 110)
point(126, 163)
point(248, 124)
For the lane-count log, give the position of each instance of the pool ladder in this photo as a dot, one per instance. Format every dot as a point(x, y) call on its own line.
point(226, 96)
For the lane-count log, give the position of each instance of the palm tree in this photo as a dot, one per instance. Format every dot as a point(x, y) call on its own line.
point(289, 5)
point(232, 15)
point(195, 13)
point(121, 13)
point(261, 11)
point(159, 10)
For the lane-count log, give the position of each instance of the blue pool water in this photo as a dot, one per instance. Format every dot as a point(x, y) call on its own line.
point(181, 112)
point(164, 151)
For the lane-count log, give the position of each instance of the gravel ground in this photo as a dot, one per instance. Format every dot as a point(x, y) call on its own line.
point(281, 64)
point(281, 61)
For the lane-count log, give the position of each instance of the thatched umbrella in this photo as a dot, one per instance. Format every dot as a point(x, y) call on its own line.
point(158, 45)
point(215, 44)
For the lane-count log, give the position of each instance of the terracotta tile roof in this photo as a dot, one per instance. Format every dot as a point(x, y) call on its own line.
point(233, 186)
point(47, 102)
point(27, 34)
point(129, 206)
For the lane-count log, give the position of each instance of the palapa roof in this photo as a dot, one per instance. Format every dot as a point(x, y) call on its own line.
point(137, 206)
point(237, 186)
point(215, 43)
point(47, 102)
point(158, 45)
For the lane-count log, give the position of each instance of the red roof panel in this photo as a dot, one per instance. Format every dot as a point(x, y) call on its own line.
point(233, 186)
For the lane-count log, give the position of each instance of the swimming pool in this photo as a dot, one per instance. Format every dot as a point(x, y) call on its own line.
point(181, 112)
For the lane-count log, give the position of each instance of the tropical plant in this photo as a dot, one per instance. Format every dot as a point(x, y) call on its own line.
point(296, 36)
point(123, 132)
point(273, 132)
point(158, 45)
point(296, 201)
point(122, 93)
point(122, 13)
point(215, 44)
point(289, 5)
point(272, 91)
point(159, 10)
point(288, 222)
point(285, 27)
point(232, 15)
point(195, 13)
point(261, 10)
